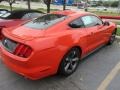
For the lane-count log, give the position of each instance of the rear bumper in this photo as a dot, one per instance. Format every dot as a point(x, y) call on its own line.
point(21, 67)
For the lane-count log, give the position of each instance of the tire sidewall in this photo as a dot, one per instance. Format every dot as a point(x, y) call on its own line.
point(61, 70)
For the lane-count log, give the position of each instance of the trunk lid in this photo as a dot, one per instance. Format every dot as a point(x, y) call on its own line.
point(24, 33)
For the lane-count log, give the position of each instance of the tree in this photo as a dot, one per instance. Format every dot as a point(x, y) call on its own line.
point(64, 4)
point(115, 4)
point(106, 4)
point(86, 5)
point(100, 3)
point(28, 2)
point(11, 3)
point(47, 2)
point(1, 1)
point(119, 7)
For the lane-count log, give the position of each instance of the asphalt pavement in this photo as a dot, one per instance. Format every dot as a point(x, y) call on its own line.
point(98, 71)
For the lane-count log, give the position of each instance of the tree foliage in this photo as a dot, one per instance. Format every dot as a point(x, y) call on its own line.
point(115, 4)
point(64, 4)
point(11, 3)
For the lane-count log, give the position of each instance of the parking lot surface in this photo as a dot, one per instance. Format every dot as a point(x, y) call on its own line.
point(97, 71)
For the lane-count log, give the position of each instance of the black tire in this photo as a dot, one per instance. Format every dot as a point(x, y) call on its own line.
point(112, 38)
point(69, 62)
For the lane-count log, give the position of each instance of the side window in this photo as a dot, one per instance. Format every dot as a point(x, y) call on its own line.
point(96, 20)
point(87, 20)
point(76, 23)
point(91, 20)
point(26, 16)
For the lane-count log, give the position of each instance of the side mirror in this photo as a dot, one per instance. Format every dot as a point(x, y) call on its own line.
point(106, 23)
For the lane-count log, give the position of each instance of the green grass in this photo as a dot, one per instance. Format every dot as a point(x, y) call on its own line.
point(106, 13)
point(8, 8)
point(45, 10)
point(4, 7)
point(118, 23)
point(118, 31)
point(16, 8)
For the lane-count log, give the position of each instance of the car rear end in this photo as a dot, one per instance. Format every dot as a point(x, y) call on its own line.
point(20, 57)
point(27, 50)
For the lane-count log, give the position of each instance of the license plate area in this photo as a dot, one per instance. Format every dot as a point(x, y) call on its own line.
point(9, 45)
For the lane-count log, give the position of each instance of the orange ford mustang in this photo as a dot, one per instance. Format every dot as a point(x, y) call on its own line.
point(54, 43)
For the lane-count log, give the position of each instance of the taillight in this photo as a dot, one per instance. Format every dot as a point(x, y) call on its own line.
point(22, 51)
point(1, 36)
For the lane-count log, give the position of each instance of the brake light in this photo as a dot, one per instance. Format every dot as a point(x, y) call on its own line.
point(1, 36)
point(22, 50)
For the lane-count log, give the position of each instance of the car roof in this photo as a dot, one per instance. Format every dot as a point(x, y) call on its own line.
point(3, 10)
point(17, 14)
point(25, 10)
point(71, 12)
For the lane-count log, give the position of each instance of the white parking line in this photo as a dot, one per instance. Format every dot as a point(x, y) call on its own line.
point(109, 77)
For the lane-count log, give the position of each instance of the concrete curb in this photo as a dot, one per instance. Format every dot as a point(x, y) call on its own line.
point(118, 37)
point(118, 26)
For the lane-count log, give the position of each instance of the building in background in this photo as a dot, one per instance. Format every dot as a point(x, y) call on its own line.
point(60, 2)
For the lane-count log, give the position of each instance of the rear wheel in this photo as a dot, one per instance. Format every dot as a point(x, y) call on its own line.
point(70, 62)
point(112, 38)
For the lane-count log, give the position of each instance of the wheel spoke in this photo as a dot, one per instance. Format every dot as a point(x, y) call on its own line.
point(73, 54)
point(112, 38)
point(75, 59)
point(72, 66)
point(67, 66)
point(71, 61)
point(67, 59)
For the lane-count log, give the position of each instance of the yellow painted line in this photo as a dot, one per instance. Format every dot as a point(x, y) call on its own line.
point(109, 77)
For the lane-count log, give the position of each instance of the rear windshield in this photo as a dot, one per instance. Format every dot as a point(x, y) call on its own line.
point(45, 21)
point(12, 15)
point(4, 16)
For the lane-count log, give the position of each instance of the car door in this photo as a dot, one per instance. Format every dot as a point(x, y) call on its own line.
point(93, 30)
point(78, 30)
point(101, 30)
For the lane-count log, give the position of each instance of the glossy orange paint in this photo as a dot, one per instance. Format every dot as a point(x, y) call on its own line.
point(50, 45)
